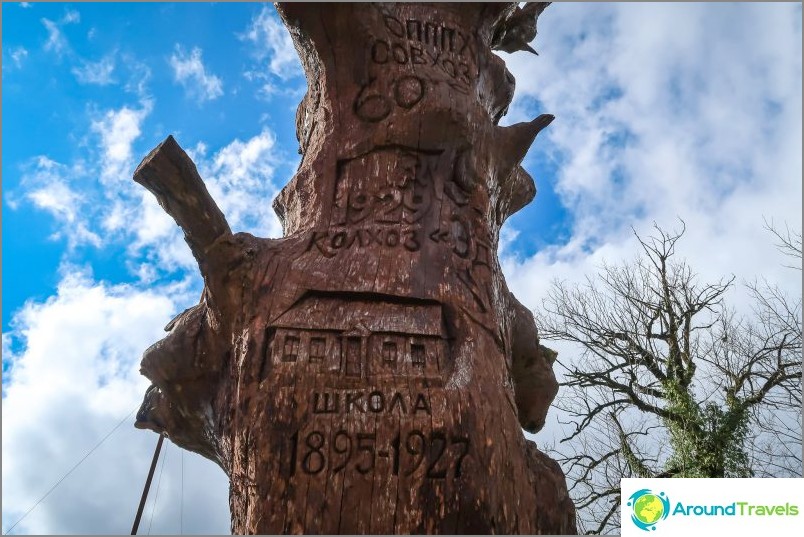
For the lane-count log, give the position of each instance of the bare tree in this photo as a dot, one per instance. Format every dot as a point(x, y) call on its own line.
point(788, 241)
point(672, 382)
point(777, 446)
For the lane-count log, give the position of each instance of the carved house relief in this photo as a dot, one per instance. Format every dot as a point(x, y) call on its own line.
point(361, 339)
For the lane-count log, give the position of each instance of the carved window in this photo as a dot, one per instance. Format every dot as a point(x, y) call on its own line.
point(318, 348)
point(417, 354)
point(354, 362)
point(291, 349)
point(389, 352)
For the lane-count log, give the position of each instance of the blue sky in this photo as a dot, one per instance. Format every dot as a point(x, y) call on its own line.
point(664, 111)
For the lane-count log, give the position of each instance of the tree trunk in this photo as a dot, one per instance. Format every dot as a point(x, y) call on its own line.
point(370, 372)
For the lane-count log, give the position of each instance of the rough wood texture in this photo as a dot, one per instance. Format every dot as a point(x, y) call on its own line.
point(370, 372)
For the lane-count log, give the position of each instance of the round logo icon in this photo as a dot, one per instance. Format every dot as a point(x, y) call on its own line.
point(648, 508)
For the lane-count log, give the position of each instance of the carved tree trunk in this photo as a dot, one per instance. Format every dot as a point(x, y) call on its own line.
point(370, 371)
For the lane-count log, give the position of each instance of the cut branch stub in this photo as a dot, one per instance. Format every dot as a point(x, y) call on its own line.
point(369, 372)
point(170, 175)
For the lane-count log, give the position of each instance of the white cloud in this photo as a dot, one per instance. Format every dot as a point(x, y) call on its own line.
point(241, 177)
point(73, 376)
point(272, 41)
point(190, 72)
point(17, 55)
point(666, 111)
point(57, 198)
point(47, 185)
point(86, 210)
point(99, 72)
point(72, 16)
point(139, 74)
point(158, 235)
point(118, 129)
point(246, 163)
point(25, 5)
point(56, 42)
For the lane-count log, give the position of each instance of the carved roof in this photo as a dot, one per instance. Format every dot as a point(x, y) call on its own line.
point(340, 314)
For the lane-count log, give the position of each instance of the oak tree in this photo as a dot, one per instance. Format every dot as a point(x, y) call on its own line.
point(671, 381)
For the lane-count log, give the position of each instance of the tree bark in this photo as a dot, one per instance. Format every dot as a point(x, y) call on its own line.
point(370, 372)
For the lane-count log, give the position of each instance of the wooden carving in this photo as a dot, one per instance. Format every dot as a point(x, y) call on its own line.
point(370, 372)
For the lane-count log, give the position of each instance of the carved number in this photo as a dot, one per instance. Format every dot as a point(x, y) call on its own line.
point(464, 443)
point(438, 444)
point(388, 206)
point(359, 203)
point(390, 201)
point(371, 106)
point(347, 451)
point(365, 442)
point(294, 447)
point(418, 446)
point(314, 460)
point(416, 451)
point(361, 451)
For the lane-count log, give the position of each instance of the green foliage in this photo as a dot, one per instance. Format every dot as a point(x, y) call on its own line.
point(709, 440)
